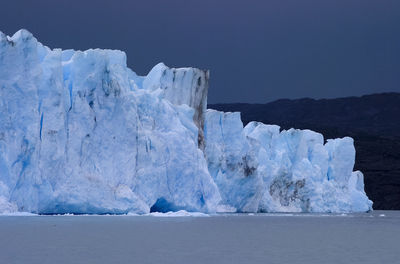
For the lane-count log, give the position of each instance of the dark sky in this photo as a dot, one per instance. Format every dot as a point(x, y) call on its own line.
point(257, 50)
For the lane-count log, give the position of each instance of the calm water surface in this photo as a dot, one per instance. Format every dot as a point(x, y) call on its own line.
point(265, 238)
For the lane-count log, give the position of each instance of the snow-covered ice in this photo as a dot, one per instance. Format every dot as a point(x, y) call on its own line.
point(82, 133)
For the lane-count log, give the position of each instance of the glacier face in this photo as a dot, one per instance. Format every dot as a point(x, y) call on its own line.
point(182, 86)
point(82, 133)
point(78, 135)
point(259, 168)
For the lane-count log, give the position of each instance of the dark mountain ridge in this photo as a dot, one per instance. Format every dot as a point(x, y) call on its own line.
point(372, 120)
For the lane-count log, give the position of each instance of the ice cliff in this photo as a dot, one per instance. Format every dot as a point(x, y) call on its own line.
point(259, 168)
point(82, 133)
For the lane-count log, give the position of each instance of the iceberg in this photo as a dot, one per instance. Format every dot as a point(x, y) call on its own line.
point(81, 133)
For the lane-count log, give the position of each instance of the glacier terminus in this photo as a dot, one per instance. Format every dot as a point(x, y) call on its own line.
point(82, 133)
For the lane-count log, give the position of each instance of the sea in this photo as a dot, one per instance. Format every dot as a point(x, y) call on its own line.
point(198, 238)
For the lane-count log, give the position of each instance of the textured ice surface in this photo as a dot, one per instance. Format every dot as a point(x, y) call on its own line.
point(182, 86)
point(78, 135)
point(259, 168)
point(82, 133)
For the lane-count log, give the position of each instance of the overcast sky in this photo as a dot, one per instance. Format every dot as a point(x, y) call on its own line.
point(256, 50)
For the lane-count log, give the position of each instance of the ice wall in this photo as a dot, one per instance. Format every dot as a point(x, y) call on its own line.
point(182, 86)
point(259, 168)
point(78, 135)
point(82, 133)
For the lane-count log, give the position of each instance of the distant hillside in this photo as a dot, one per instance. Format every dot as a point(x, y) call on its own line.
point(372, 120)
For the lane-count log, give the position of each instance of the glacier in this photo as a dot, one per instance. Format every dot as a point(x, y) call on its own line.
point(82, 133)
